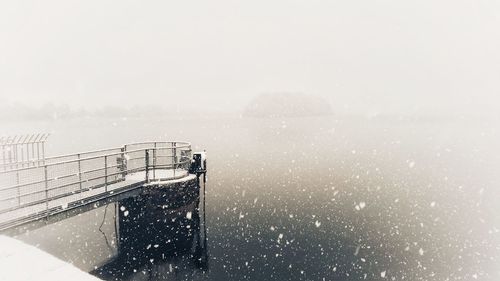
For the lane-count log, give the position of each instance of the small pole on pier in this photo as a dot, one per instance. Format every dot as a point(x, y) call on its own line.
point(174, 155)
point(106, 173)
point(147, 164)
point(123, 162)
point(12, 153)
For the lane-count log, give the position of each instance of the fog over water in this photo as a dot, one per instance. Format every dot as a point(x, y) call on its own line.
point(346, 140)
point(325, 197)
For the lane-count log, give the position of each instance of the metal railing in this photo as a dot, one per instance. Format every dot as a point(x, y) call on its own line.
point(70, 180)
point(22, 151)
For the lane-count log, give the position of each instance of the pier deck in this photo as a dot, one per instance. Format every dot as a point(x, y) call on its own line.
point(64, 182)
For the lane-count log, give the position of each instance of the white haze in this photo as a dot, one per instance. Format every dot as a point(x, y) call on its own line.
point(364, 56)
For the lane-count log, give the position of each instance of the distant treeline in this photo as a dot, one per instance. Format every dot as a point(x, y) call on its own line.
point(49, 111)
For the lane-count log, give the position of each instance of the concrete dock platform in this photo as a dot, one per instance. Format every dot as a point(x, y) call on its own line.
point(40, 265)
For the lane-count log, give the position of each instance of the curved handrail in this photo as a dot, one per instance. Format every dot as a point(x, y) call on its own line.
point(80, 155)
point(54, 180)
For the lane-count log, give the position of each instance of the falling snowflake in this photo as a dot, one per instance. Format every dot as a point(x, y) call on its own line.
point(360, 206)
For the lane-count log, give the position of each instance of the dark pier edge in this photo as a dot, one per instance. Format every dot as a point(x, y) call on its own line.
point(58, 214)
point(164, 226)
point(157, 213)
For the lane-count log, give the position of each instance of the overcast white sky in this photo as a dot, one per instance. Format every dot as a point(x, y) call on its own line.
point(363, 55)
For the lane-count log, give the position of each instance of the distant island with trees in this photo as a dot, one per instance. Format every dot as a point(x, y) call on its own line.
point(272, 105)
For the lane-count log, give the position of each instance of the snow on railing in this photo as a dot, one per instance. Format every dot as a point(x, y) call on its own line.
point(65, 180)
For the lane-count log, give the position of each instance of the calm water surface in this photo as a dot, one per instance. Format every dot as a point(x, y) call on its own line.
point(296, 199)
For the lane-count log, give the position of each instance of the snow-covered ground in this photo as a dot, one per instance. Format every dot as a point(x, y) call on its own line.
point(42, 266)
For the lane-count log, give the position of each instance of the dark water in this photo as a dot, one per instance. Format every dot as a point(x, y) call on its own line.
point(301, 199)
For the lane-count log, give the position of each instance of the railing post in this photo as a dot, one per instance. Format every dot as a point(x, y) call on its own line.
point(33, 153)
point(154, 162)
point(43, 153)
point(105, 173)
point(22, 158)
point(4, 162)
point(174, 152)
point(10, 157)
point(147, 164)
point(79, 171)
point(38, 153)
point(27, 147)
point(46, 191)
point(18, 189)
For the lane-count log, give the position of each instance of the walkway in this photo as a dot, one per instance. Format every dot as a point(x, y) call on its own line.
point(68, 181)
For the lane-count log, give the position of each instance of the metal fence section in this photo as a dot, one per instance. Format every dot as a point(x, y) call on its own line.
point(67, 181)
point(22, 151)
